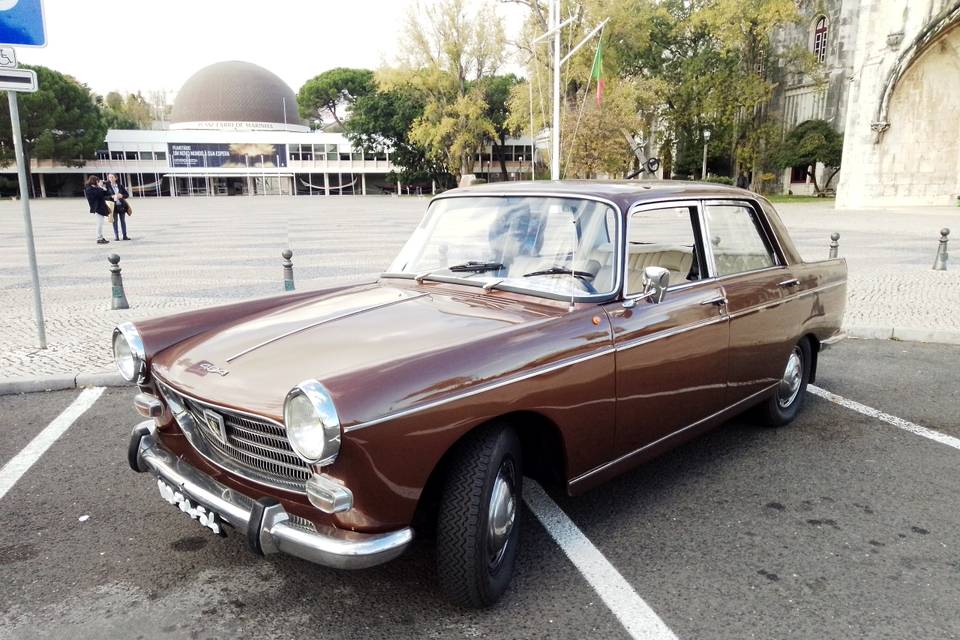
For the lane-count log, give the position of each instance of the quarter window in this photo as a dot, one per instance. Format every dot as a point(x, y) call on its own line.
point(663, 238)
point(737, 239)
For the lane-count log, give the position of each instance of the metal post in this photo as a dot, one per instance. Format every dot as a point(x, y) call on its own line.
point(834, 245)
point(27, 222)
point(287, 269)
point(703, 172)
point(555, 155)
point(940, 263)
point(118, 299)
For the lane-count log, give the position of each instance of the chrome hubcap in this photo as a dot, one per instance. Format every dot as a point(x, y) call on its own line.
point(501, 513)
point(792, 377)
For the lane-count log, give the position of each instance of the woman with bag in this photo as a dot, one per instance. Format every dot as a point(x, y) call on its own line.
point(97, 198)
point(121, 207)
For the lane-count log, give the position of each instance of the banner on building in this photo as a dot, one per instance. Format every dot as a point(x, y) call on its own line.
point(229, 156)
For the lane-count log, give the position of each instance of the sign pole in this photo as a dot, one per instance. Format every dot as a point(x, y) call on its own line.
point(27, 223)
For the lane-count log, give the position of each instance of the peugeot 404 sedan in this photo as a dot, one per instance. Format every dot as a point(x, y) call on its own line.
point(563, 331)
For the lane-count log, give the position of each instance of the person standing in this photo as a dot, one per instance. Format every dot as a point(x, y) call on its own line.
point(119, 194)
point(97, 198)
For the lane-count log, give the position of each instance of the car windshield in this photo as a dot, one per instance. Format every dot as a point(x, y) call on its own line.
point(554, 246)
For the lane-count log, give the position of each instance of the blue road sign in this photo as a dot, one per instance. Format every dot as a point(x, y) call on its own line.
point(21, 23)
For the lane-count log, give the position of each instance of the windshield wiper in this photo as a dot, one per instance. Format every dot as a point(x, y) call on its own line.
point(475, 266)
point(561, 271)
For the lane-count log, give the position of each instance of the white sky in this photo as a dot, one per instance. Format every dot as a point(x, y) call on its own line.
point(130, 45)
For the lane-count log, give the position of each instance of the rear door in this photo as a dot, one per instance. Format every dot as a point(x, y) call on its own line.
point(672, 355)
point(755, 279)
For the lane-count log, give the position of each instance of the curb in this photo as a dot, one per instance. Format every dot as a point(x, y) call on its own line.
point(59, 382)
point(937, 336)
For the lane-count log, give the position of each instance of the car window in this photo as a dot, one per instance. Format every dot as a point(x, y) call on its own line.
point(663, 238)
point(737, 239)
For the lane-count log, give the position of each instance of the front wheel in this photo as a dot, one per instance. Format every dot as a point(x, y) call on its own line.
point(785, 402)
point(477, 524)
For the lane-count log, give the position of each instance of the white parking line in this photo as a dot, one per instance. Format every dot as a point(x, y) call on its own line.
point(20, 463)
point(634, 614)
point(900, 423)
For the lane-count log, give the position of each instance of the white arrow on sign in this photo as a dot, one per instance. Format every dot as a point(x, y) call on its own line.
point(8, 58)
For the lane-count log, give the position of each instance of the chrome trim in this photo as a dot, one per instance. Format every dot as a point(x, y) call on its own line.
point(643, 208)
point(132, 335)
point(772, 241)
point(189, 427)
point(607, 465)
point(667, 333)
point(720, 299)
point(328, 545)
point(325, 412)
point(832, 340)
point(619, 241)
point(325, 321)
point(481, 388)
point(792, 282)
point(779, 301)
point(328, 495)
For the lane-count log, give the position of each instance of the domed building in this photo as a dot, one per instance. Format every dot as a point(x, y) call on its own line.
point(236, 95)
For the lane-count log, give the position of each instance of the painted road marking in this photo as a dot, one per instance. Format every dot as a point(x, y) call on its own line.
point(900, 423)
point(21, 463)
point(634, 614)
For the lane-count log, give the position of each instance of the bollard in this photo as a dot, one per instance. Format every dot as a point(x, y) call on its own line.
point(940, 262)
point(834, 245)
point(287, 270)
point(118, 299)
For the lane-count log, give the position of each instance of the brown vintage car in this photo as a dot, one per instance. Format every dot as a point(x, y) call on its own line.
point(566, 331)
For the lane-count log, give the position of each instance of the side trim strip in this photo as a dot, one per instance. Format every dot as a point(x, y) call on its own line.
point(607, 465)
point(480, 389)
point(780, 301)
point(324, 321)
point(667, 333)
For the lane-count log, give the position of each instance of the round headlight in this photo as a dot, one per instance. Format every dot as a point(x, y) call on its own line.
point(312, 423)
point(128, 352)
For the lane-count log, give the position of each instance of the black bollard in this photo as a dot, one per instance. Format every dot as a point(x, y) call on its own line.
point(118, 299)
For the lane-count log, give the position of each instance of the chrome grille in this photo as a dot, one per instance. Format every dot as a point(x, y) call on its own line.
point(253, 447)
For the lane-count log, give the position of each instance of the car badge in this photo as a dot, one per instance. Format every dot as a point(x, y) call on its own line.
point(216, 425)
point(204, 367)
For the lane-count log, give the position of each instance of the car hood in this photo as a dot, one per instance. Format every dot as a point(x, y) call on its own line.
point(377, 347)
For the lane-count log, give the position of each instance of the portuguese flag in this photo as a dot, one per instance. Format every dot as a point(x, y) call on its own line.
point(597, 73)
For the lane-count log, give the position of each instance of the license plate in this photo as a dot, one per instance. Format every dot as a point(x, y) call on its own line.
point(201, 514)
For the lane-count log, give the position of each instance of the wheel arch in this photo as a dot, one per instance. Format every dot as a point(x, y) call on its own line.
point(814, 354)
point(544, 458)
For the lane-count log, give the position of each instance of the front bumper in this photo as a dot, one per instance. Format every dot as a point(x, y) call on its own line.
point(266, 523)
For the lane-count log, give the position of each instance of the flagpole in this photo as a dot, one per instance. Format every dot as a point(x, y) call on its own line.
point(555, 138)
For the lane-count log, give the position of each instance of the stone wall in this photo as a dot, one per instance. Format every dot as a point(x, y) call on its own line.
point(905, 150)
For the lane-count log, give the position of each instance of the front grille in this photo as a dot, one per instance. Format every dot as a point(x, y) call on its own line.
point(253, 447)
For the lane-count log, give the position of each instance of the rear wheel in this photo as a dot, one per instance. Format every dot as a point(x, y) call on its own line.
point(785, 402)
point(477, 527)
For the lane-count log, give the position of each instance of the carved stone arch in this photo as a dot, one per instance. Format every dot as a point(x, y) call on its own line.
point(943, 22)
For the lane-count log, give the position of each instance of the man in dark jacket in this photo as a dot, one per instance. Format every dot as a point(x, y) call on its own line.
point(119, 194)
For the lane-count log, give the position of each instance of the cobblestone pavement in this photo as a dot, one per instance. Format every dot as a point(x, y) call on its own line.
point(189, 253)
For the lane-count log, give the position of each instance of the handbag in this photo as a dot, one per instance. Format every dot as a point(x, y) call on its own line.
point(129, 210)
point(110, 217)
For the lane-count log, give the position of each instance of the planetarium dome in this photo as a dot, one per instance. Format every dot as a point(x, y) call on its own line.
point(236, 95)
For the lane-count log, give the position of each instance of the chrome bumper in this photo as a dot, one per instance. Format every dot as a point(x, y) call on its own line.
point(265, 522)
point(832, 340)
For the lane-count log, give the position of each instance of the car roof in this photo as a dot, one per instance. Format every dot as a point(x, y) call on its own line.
point(625, 193)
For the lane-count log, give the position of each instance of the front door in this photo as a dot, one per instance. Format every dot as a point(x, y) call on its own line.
point(672, 355)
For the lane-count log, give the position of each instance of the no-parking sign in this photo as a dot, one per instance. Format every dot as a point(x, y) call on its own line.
point(22, 24)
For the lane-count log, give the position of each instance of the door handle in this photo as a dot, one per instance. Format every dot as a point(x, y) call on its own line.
point(719, 300)
point(792, 282)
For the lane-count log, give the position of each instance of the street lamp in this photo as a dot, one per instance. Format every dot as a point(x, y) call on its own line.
point(706, 142)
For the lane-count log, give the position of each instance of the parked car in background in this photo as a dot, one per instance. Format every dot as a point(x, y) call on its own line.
point(563, 331)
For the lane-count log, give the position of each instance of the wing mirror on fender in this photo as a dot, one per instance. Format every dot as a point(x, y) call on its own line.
point(655, 283)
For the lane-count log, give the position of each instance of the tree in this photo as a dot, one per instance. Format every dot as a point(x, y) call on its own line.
point(380, 122)
point(327, 94)
point(132, 111)
point(61, 121)
point(812, 142)
point(496, 94)
point(448, 50)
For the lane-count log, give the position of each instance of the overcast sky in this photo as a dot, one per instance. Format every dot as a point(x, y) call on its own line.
point(131, 45)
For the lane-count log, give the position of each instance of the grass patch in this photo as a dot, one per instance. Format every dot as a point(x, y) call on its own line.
point(784, 198)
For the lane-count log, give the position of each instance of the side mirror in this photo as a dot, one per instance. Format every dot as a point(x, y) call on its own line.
point(655, 283)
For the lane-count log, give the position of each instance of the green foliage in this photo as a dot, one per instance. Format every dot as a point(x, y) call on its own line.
point(61, 121)
point(811, 142)
point(326, 94)
point(127, 112)
point(720, 180)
